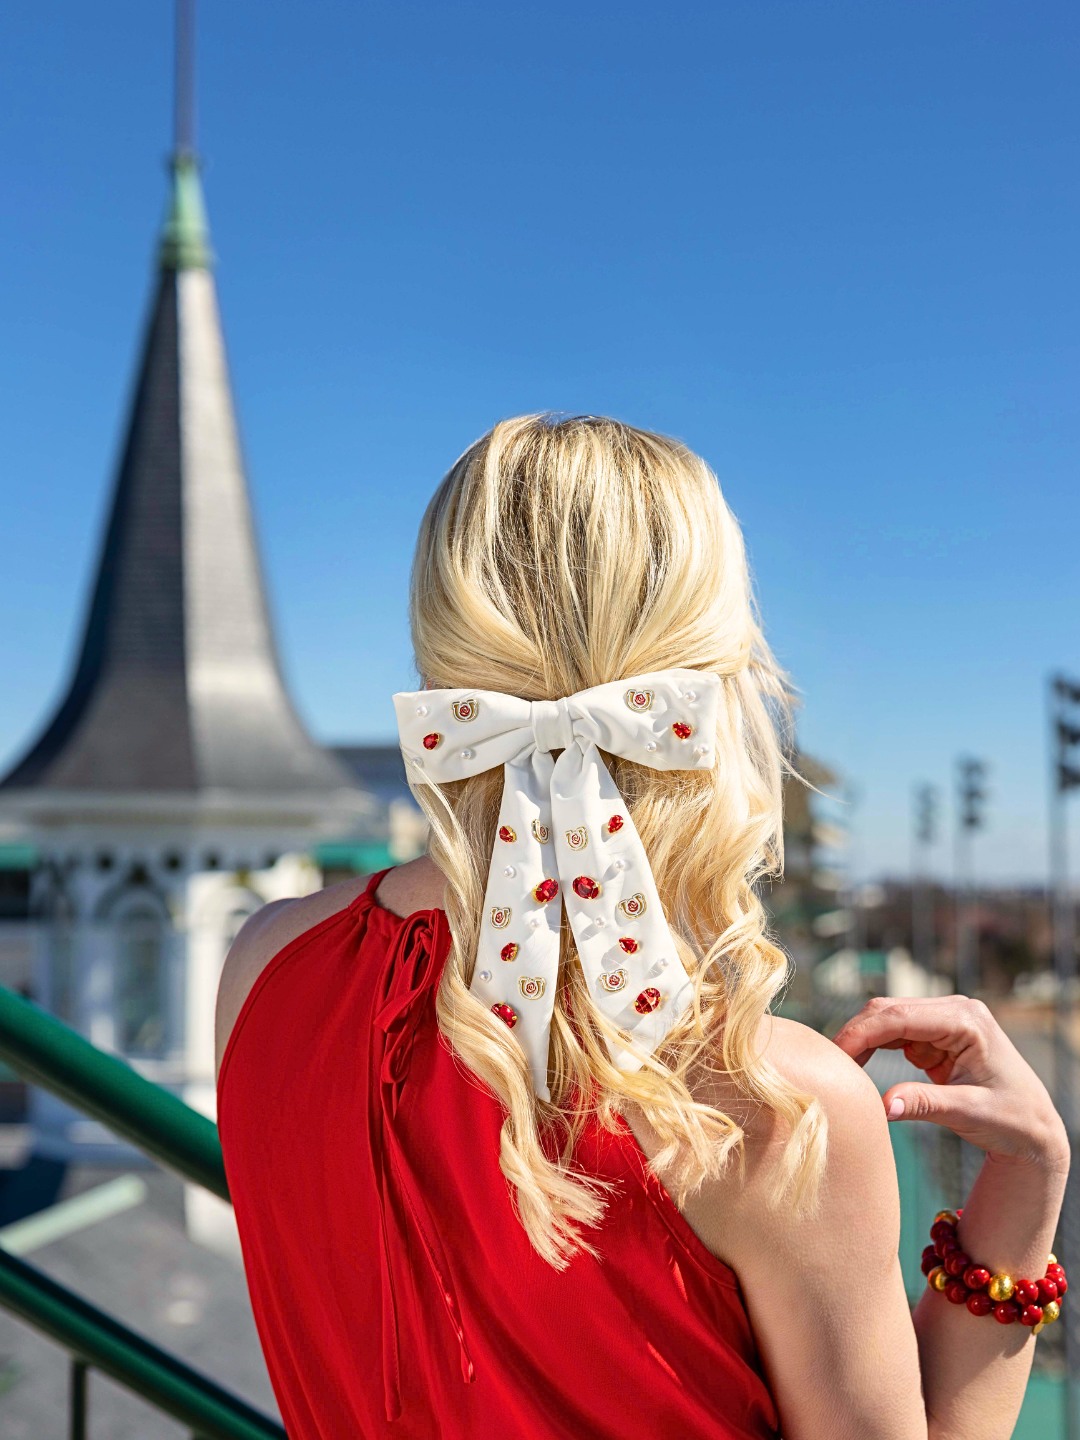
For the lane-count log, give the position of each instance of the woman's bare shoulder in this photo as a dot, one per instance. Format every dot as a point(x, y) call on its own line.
point(414, 886)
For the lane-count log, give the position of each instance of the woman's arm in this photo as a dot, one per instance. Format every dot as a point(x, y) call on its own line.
point(824, 1290)
point(974, 1370)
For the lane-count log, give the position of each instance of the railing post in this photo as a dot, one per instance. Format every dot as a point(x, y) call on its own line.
point(78, 1399)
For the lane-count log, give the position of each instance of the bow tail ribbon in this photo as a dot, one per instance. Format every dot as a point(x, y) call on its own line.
point(518, 958)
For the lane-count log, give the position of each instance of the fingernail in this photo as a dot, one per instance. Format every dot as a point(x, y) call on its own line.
point(896, 1108)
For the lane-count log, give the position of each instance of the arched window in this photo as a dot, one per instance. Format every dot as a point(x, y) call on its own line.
point(139, 985)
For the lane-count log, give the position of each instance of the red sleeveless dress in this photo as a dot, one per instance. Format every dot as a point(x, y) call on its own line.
point(395, 1292)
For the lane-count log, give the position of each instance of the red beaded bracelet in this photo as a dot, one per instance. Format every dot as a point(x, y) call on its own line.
point(948, 1269)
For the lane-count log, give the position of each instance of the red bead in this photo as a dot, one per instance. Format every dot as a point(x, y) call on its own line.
point(430, 741)
point(1006, 1313)
point(586, 887)
point(506, 1013)
point(1048, 1290)
point(1055, 1269)
point(942, 1230)
point(956, 1292)
point(945, 1245)
point(976, 1277)
point(505, 833)
point(647, 1001)
point(628, 945)
point(1026, 1292)
point(979, 1303)
point(1031, 1315)
point(545, 891)
point(956, 1262)
point(929, 1262)
point(509, 952)
point(1061, 1283)
point(615, 823)
point(682, 729)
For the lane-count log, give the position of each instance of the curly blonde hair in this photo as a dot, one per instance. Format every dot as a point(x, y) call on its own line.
point(558, 554)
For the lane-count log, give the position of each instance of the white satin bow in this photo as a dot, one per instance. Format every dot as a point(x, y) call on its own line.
point(565, 830)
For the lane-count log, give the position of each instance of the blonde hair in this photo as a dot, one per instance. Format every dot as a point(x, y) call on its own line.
point(559, 554)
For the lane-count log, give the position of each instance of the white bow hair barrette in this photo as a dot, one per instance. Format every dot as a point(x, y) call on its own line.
point(564, 829)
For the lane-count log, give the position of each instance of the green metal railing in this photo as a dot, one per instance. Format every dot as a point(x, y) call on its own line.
point(51, 1055)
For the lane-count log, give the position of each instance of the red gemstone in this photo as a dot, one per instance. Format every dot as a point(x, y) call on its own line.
point(545, 891)
point(956, 1262)
point(1006, 1313)
point(647, 1001)
point(430, 741)
point(505, 833)
point(1031, 1315)
point(1048, 1290)
point(956, 1292)
point(1025, 1292)
point(586, 887)
point(976, 1277)
point(979, 1303)
point(509, 952)
point(506, 1013)
point(942, 1230)
point(615, 823)
point(682, 729)
point(628, 945)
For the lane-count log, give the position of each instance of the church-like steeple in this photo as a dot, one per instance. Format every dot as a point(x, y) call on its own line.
point(177, 685)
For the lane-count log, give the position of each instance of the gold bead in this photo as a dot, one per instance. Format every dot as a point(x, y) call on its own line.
point(1001, 1287)
point(938, 1278)
point(1052, 1260)
point(949, 1216)
point(1040, 1326)
point(1051, 1311)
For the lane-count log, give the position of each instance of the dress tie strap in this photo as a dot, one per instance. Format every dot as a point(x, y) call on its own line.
point(408, 980)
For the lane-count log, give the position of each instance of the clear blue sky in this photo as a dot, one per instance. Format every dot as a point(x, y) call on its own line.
point(832, 246)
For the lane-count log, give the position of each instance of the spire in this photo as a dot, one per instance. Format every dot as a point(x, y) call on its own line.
point(177, 685)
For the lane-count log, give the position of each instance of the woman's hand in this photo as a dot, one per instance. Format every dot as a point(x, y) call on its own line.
point(982, 1087)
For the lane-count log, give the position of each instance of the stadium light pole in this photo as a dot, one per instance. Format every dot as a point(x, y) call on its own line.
point(1064, 713)
point(970, 816)
point(924, 834)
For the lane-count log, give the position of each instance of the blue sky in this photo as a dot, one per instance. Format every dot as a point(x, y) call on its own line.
point(832, 246)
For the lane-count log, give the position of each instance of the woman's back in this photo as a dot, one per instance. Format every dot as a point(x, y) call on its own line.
point(394, 1287)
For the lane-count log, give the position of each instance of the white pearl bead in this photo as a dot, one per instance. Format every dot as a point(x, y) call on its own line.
point(652, 745)
point(510, 872)
point(619, 864)
point(485, 974)
point(418, 762)
point(599, 922)
point(690, 696)
point(662, 964)
point(701, 749)
point(467, 754)
point(533, 922)
point(421, 709)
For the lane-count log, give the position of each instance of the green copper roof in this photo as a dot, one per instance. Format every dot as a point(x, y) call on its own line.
point(185, 240)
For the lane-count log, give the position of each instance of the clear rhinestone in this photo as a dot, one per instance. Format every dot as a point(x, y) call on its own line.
point(467, 754)
point(509, 872)
point(485, 974)
point(421, 709)
point(652, 745)
point(418, 762)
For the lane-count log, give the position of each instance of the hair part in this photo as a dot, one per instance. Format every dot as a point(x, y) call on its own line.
point(559, 554)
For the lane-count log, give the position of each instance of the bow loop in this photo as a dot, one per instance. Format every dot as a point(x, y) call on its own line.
point(552, 725)
point(565, 840)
